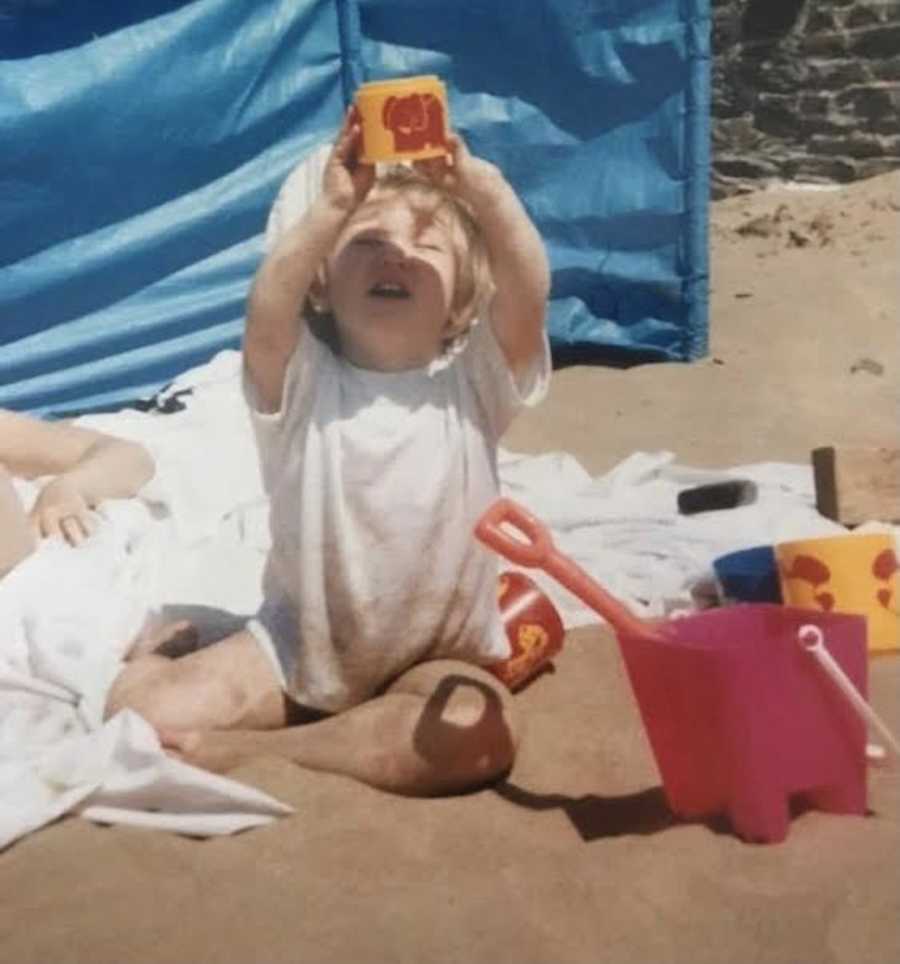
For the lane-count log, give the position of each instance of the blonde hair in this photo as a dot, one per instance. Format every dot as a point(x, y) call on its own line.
point(474, 283)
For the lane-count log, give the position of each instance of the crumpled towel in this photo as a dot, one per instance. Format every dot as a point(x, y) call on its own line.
point(67, 617)
point(119, 774)
point(624, 527)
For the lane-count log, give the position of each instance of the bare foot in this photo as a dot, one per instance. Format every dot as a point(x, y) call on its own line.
point(215, 750)
point(172, 640)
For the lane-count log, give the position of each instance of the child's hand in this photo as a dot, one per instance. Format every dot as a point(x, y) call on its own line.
point(346, 180)
point(60, 510)
point(475, 180)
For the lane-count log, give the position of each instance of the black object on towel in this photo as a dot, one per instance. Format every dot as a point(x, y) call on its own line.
point(717, 495)
point(165, 401)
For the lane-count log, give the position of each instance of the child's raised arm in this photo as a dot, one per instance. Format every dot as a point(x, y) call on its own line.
point(519, 265)
point(285, 276)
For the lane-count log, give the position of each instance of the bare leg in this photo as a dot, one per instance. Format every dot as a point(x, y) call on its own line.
point(442, 727)
point(228, 684)
point(16, 538)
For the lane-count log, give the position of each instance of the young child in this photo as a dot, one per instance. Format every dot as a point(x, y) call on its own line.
point(377, 414)
point(87, 467)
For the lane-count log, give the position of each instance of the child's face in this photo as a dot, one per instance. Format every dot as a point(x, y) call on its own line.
point(391, 280)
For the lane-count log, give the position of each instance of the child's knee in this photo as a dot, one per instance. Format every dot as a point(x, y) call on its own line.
point(468, 725)
point(485, 731)
point(143, 686)
point(466, 694)
point(486, 708)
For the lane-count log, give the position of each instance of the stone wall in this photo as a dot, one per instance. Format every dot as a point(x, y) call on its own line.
point(804, 90)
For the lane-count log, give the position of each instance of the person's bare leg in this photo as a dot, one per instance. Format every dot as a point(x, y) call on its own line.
point(442, 727)
point(231, 683)
point(16, 537)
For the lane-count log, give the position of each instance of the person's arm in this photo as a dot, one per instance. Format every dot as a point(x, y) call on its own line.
point(16, 537)
point(521, 272)
point(287, 273)
point(88, 467)
point(277, 295)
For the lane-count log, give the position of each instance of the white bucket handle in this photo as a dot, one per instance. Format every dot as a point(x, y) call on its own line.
point(812, 640)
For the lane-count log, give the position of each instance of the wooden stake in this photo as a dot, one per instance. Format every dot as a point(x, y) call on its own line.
point(855, 485)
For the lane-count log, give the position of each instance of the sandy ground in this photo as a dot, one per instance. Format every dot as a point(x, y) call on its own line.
point(575, 858)
point(804, 343)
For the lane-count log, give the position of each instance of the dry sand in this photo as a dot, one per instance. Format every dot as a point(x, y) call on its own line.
point(804, 343)
point(575, 858)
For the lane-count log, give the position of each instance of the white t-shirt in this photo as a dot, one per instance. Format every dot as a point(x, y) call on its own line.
point(376, 481)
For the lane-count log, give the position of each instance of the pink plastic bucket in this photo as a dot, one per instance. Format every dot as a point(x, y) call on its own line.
point(740, 719)
point(738, 715)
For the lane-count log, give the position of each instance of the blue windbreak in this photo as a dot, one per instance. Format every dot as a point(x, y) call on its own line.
point(140, 150)
point(598, 112)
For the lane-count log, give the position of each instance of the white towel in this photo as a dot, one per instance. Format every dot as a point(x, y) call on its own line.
point(67, 617)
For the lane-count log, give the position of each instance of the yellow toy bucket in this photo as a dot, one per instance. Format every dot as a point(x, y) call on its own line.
point(855, 573)
point(403, 119)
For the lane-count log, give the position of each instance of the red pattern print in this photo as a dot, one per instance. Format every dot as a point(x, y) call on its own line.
point(816, 573)
point(883, 569)
point(415, 120)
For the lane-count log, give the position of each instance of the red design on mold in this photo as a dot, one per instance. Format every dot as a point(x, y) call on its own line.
point(885, 564)
point(810, 570)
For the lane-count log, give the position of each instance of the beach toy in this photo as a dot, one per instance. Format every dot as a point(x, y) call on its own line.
point(811, 637)
point(403, 119)
point(853, 573)
point(748, 575)
point(738, 711)
point(533, 627)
